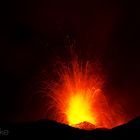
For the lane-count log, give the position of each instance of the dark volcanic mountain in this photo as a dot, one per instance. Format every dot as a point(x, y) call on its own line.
point(53, 130)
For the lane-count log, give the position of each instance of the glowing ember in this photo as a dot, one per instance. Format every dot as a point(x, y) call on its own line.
point(77, 98)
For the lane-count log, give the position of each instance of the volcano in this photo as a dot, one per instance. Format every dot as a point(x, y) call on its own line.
point(77, 98)
point(52, 130)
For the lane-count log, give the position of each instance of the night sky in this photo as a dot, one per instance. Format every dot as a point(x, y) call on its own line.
point(33, 34)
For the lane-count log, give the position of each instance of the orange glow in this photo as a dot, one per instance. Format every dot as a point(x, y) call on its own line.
point(79, 110)
point(77, 97)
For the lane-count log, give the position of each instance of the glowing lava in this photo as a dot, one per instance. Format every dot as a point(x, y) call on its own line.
point(79, 110)
point(73, 96)
point(77, 98)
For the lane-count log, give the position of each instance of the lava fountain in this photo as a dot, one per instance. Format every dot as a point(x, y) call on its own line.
point(77, 99)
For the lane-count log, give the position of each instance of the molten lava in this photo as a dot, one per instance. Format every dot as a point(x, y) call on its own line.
point(77, 98)
point(79, 109)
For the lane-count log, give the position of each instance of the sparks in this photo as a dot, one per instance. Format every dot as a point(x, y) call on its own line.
point(80, 95)
point(77, 98)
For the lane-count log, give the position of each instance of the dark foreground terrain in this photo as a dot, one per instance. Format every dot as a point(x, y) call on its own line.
point(50, 130)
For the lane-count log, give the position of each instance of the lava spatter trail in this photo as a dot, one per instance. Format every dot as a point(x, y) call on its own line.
point(76, 97)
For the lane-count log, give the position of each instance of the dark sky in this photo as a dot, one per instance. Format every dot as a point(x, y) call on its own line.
point(32, 35)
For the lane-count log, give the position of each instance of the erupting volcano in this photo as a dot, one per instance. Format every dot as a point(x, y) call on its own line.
point(77, 99)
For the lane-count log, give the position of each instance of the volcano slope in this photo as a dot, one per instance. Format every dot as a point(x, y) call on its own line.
point(53, 130)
